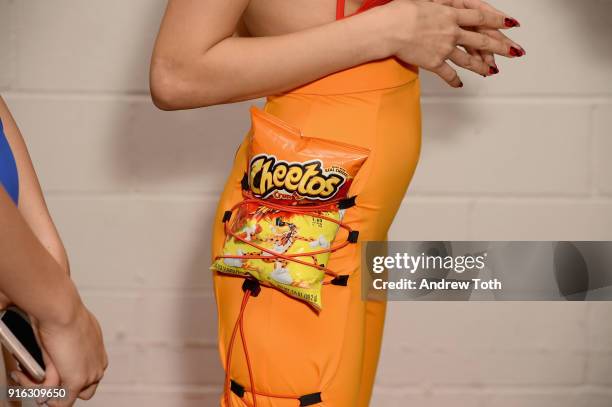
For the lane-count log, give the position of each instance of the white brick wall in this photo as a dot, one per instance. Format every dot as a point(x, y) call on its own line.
point(524, 155)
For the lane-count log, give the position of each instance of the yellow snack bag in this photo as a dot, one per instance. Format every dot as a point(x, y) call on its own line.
point(282, 234)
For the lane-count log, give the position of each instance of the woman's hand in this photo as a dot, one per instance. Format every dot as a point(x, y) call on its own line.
point(486, 56)
point(76, 352)
point(51, 380)
point(432, 34)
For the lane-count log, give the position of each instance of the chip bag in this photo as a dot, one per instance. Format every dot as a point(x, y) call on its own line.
point(287, 174)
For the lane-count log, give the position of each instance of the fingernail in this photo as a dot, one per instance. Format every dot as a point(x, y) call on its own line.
point(460, 84)
point(14, 376)
point(523, 50)
point(511, 22)
point(493, 70)
point(515, 52)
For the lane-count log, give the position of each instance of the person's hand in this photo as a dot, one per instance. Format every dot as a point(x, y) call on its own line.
point(427, 34)
point(52, 378)
point(509, 22)
point(76, 352)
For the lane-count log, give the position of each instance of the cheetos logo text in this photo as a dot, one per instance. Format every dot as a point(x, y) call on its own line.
point(268, 175)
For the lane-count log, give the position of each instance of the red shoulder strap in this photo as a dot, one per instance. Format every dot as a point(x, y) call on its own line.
point(339, 9)
point(366, 4)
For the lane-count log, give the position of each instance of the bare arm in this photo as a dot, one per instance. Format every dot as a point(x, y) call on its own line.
point(45, 252)
point(32, 204)
point(197, 61)
point(29, 275)
point(33, 275)
point(36, 283)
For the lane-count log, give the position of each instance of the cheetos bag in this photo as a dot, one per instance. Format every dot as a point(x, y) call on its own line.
point(287, 175)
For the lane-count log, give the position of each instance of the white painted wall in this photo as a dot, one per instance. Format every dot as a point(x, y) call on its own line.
point(524, 155)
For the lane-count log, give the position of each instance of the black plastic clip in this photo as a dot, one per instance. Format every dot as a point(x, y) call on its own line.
point(310, 399)
point(251, 285)
point(227, 215)
point(352, 236)
point(340, 280)
point(245, 182)
point(347, 202)
point(237, 389)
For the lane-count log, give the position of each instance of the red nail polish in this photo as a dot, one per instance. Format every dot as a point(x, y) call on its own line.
point(511, 22)
point(493, 70)
point(515, 52)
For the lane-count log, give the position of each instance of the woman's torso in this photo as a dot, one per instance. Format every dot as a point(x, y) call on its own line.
point(350, 105)
point(369, 104)
point(276, 17)
point(375, 105)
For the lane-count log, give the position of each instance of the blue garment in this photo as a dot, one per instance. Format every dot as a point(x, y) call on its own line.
point(8, 168)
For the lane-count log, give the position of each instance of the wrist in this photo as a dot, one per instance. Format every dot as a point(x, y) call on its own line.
point(395, 22)
point(64, 309)
point(380, 44)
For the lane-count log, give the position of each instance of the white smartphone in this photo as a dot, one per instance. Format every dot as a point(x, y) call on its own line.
point(17, 335)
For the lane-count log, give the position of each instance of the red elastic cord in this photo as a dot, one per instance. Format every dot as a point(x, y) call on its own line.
point(310, 210)
point(239, 325)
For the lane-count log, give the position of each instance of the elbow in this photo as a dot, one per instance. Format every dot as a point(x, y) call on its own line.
point(164, 87)
point(171, 90)
point(162, 100)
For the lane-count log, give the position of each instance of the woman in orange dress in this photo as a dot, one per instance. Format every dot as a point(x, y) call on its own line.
point(343, 72)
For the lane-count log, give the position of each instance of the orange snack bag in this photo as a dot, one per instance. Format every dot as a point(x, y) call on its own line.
point(286, 168)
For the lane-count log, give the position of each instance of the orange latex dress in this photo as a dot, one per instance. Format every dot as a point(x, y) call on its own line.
point(281, 350)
